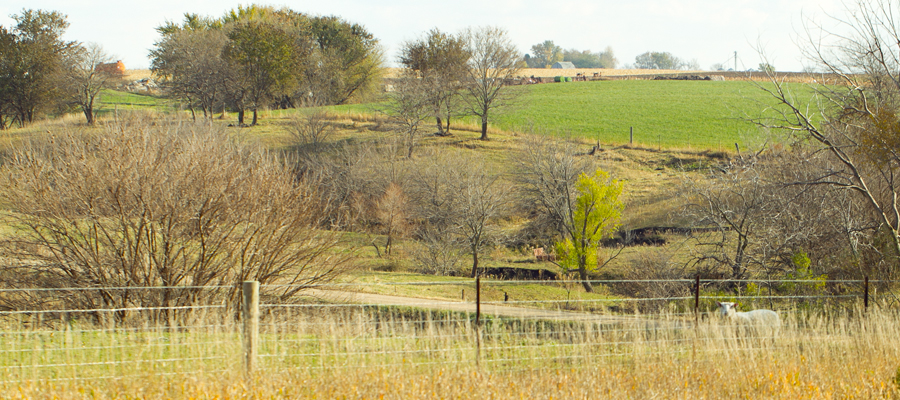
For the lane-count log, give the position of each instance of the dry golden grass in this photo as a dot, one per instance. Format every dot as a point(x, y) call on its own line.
point(841, 355)
point(137, 74)
point(550, 72)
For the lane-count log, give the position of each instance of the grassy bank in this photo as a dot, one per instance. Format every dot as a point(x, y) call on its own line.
point(388, 353)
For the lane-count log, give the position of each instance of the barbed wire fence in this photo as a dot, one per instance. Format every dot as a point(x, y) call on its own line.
point(453, 324)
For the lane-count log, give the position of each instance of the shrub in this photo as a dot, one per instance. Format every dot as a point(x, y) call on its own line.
point(147, 204)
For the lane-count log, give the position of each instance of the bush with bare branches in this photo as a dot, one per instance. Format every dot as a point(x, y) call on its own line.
point(311, 129)
point(145, 204)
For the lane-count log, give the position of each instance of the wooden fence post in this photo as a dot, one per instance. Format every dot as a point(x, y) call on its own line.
point(250, 317)
point(697, 300)
point(866, 294)
point(478, 321)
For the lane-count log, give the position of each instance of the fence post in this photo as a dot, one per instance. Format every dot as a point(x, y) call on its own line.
point(866, 295)
point(250, 317)
point(697, 300)
point(478, 321)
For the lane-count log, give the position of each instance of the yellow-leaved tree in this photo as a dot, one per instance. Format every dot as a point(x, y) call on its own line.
point(596, 215)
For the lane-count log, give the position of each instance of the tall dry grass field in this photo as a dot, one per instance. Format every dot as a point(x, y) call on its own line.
point(325, 352)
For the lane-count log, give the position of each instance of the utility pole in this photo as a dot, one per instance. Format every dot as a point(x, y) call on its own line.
point(735, 60)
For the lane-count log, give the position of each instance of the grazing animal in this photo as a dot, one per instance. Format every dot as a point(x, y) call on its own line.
point(759, 318)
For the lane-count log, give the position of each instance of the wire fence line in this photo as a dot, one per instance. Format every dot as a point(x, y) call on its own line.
point(354, 325)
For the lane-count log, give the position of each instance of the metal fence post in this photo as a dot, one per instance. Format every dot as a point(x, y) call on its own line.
point(250, 317)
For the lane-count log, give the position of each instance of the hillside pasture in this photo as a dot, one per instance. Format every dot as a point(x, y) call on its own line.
point(668, 114)
point(665, 114)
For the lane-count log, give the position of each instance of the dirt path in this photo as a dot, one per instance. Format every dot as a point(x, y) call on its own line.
point(487, 309)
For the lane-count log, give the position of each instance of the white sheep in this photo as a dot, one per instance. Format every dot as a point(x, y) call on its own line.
point(759, 318)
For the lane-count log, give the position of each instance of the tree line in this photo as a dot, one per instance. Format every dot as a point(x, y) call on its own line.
point(547, 53)
point(258, 57)
point(42, 74)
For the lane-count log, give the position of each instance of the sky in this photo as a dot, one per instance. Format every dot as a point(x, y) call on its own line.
point(708, 31)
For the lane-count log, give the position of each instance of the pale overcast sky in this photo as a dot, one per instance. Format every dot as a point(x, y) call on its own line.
point(704, 30)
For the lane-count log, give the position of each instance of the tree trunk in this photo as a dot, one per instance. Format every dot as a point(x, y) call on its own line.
point(387, 246)
point(582, 272)
point(254, 118)
point(88, 115)
point(484, 130)
point(474, 261)
point(440, 126)
point(241, 116)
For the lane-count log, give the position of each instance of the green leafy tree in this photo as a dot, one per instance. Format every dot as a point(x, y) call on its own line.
point(33, 59)
point(587, 59)
point(596, 215)
point(608, 58)
point(658, 60)
point(7, 45)
point(259, 56)
point(265, 58)
point(543, 55)
point(346, 61)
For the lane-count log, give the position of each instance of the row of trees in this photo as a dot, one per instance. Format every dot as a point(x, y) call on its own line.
point(544, 55)
point(257, 57)
point(446, 75)
point(41, 73)
point(663, 60)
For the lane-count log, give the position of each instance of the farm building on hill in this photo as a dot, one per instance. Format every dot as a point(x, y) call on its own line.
point(563, 65)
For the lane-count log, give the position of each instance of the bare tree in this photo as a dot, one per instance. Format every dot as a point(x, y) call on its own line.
point(494, 60)
point(393, 213)
point(441, 61)
point(145, 206)
point(738, 202)
point(853, 118)
point(457, 196)
point(410, 108)
point(84, 80)
point(763, 213)
point(482, 201)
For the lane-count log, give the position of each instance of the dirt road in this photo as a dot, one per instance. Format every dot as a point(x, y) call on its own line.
point(487, 309)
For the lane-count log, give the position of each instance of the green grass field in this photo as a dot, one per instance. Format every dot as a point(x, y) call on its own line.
point(669, 114)
point(680, 114)
point(111, 100)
